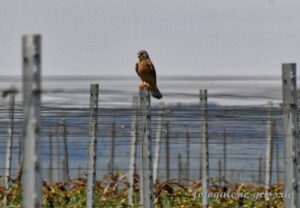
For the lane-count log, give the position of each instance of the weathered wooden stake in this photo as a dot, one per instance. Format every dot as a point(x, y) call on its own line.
point(220, 171)
point(156, 160)
point(66, 174)
point(10, 133)
point(147, 192)
point(277, 153)
point(91, 172)
point(188, 150)
point(269, 152)
point(225, 154)
point(20, 157)
point(32, 121)
point(111, 164)
point(167, 150)
point(140, 144)
point(133, 150)
point(260, 169)
point(57, 155)
point(50, 156)
point(179, 175)
point(204, 147)
point(289, 92)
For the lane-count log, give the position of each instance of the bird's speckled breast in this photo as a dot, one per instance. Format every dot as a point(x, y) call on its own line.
point(144, 67)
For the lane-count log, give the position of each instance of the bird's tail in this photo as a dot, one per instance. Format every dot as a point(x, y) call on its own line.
point(156, 93)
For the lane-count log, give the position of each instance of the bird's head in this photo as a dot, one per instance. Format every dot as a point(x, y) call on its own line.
point(142, 55)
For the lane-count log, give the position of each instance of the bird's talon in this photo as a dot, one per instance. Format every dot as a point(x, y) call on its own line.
point(147, 85)
point(142, 85)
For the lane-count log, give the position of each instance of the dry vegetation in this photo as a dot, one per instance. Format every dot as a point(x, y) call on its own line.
point(112, 191)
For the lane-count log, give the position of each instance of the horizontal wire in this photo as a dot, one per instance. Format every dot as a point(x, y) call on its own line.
point(67, 98)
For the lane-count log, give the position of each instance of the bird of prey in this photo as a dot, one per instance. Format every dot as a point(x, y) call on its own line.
point(146, 71)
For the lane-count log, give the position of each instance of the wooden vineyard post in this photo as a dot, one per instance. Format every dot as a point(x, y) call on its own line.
point(225, 154)
point(66, 173)
point(289, 93)
point(10, 132)
point(111, 164)
point(51, 156)
point(32, 121)
point(147, 178)
point(179, 164)
point(204, 147)
point(188, 152)
point(158, 145)
point(220, 171)
point(20, 156)
point(277, 152)
point(57, 155)
point(269, 152)
point(92, 152)
point(167, 151)
point(133, 148)
point(260, 169)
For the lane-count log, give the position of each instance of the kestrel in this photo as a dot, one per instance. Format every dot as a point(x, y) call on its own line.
point(146, 71)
